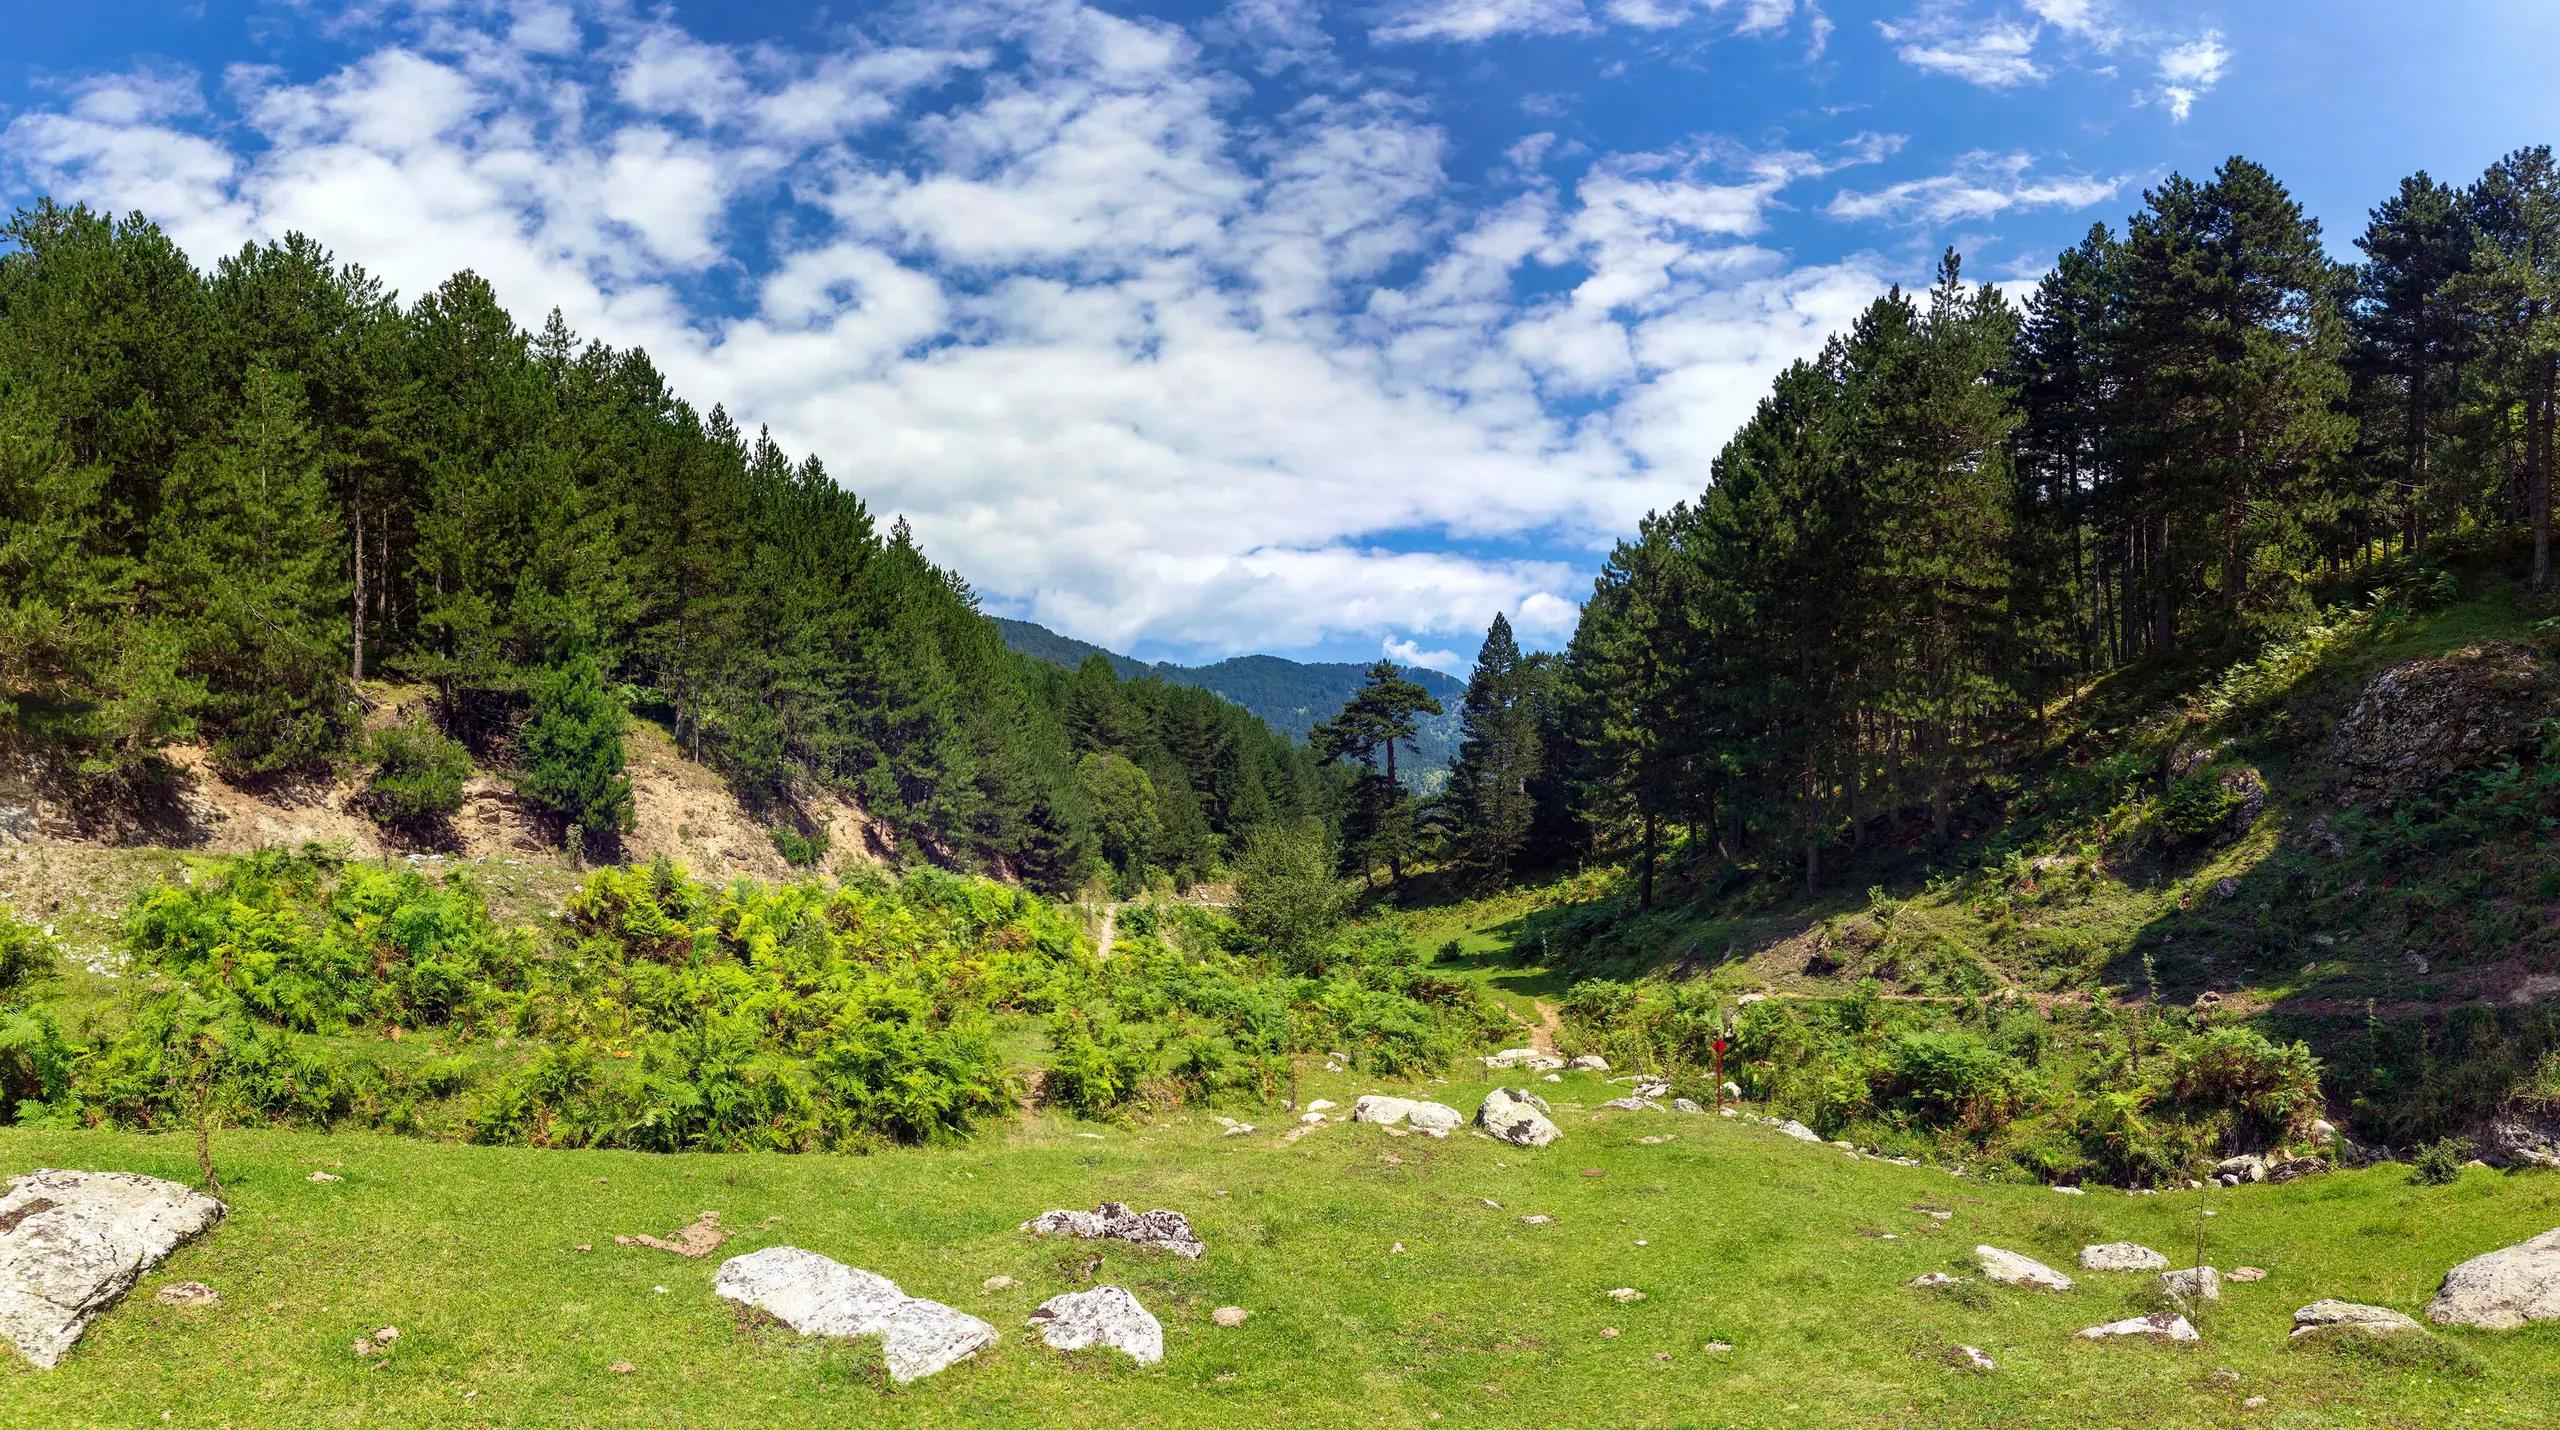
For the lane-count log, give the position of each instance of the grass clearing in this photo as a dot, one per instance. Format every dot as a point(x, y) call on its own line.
point(1794, 1255)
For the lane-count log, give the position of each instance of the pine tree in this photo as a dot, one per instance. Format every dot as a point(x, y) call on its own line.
point(2512, 292)
point(2412, 337)
point(246, 560)
point(569, 753)
point(1499, 757)
point(1380, 715)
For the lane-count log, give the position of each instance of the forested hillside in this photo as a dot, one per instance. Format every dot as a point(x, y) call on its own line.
point(229, 499)
point(1290, 696)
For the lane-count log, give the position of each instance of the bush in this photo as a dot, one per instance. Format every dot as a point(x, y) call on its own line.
point(2439, 1163)
point(800, 851)
point(1288, 900)
point(1951, 1077)
point(25, 955)
point(2261, 1089)
point(418, 771)
point(2199, 807)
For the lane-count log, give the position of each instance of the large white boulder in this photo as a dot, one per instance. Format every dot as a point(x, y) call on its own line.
point(818, 1296)
point(2121, 1256)
point(72, 1243)
point(1516, 1117)
point(1114, 1221)
point(1529, 1058)
point(2008, 1268)
point(1799, 1131)
point(1432, 1118)
point(2503, 1289)
point(2196, 1283)
point(1103, 1316)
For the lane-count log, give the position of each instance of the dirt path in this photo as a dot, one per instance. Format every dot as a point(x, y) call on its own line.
point(1542, 1036)
point(1110, 931)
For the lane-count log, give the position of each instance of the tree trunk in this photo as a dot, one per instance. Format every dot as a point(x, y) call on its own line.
point(357, 634)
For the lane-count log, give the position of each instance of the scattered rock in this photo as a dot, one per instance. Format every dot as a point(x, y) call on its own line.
point(1653, 1087)
point(2347, 1318)
point(1932, 1280)
point(1113, 1221)
point(324, 1177)
point(1653, 1141)
point(2248, 1273)
point(2254, 1402)
point(1104, 1316)
point(1971, 1358)
point(692, 1243)
point(2008, 1268)
point(1682, 1104)
point(1243, 1129)
point(1431, 1118)
point(996, 1283)
point(2225, 890)
point(2503, 1289)
point(1632, 1104)
point(1588, 1062)
point(2287, 1169)
point(2159, 1325)
point(1608, 1333)
point(1320, 1105)
point(72, 1243)
point(187, 1293)
point(621, 1367)
point(1395, 1249)
point(817, 1296)
point(1626, 1293)
point(2196, 1283)
point(1537, 1219)
point(2247, 1167)
point(2071, 1191)
point(2520, 1142)
point(1798, 1131)
point(2121, 1256)
point(1529, 1058)
point(1516, 1117)
point(1717, 1347)
point(1230, 1316)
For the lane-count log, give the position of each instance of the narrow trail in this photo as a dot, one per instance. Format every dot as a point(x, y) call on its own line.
point(1110, 931)
point(1542, 1035)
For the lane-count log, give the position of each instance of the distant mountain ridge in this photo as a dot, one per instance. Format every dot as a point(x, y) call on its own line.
point(1290, 696)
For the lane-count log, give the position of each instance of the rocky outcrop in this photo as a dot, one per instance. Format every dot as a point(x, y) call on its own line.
point(1529, 1058)
point(2434, 715)
point(2503, 1289)
point(2008, 1268)
point(2121, 1256)
point(2196, 1283)
point(2520, 1142)
point(1113, 1221)
point(818, 1296)
point(1104, 1316)
point(2347, 1318)
point(72, 1244)
point(1516, 1117)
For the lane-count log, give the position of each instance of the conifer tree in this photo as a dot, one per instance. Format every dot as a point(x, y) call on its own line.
point(1499, 757)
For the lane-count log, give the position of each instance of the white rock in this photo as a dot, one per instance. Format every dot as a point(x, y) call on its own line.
point(1972, 1358)
point(818, 1296)
point(1310, 1119)
point(1230, 1316)
point(2159, 1325)
point(1241, 1129)
point(1588, 1062)
point(2248, 1167)
point(1516, 1117)
point(1931, 1280)
point(1799, 1131)
point(1320, 1105)
point(2121, 1256)
point(2196, 1283)
point(1626, 1293)
point(1113, 1221)
point(2071, 1191)
point(1104, 1316)
point(1733, 1091)
point(1432, 1118)
point(72, 1243)
point(2348, 1318)
point(1536, 1219)
point(1529, 1058)
point(2501, 1290)
point(2008, 1268)
point(1652, 1087)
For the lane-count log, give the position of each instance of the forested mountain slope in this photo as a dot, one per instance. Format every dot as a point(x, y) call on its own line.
point(1290, 696)
point(229, 499)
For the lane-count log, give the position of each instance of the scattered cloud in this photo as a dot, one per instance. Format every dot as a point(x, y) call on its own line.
point(1981, 185)
point(1466, 20)
point(1405, 652)
point(1996, 54)
point(2189, 69)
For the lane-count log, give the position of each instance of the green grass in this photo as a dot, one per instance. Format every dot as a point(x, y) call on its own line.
point(1732, 1233)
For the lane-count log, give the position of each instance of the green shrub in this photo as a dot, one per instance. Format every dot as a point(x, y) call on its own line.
point(1288, 897)
point(2195, 809)
point(2261, 1089)
point(2439, 1163)
point(26, 955)
point(800, 851)
point(570, 752)
point(417, 777)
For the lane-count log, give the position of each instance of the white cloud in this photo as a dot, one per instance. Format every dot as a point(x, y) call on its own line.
point(1982, 185)
point(1995, 54)
point(2091, 20)
point(2190, 69)
point(1405, 652)
point(1465, 20)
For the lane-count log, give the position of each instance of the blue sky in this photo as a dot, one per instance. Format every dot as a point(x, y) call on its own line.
point(1196, 329)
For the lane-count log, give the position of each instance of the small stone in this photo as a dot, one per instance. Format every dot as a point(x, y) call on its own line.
point(622, 1367)
point(1608, 1333)
point(324, 1177)
point(2254, 1402)
point(388, 1334)
point(1536, 1219)
point(1593, 1172)
point(1799, 1131)
point(1320, 1105)
point(2248, 1273)
point(363, 1346)
point(1241, 1129)
point(1930, 1280)
point(2121, 1256)
point(2008, 1268)
point(2197, 1283)
point(1626, 1293)
point(584, 1246)
point(996, 1283)
point(1971, 1358)
point(1230, 1316)
point(1396, 1249)
point(1717, 1347)
point(1654, 1141)
point(187, 1293)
